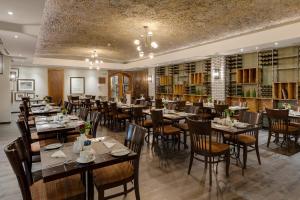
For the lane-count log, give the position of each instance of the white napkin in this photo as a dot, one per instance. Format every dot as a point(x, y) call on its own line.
point(109, 144)
point(58, 154)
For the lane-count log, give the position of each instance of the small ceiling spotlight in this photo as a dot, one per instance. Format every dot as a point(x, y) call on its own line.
point(10, 13)
point(276, 43)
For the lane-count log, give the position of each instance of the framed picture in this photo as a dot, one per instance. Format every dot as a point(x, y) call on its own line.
point(14, 74)
point(19, 95)
point(1, 64)
point(77, 85)
point(101, 80)
point(26, 85)
point(31, 95)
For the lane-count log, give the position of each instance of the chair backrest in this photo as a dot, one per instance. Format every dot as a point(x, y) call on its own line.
point(95, 119)
point(252, 118)
point(105, 106)
point(25, 134)
point(114, 109)
point(180, 105)
point(74, 98)
point(159, 103)
point(220, 109)
point(17, 159)
point(137, 114)
point(278, 120)
point(70, 108)
point(59, 102)
point(50, 99)
point(83, 113)
point(200, 134)
point(199, 104)
point(157, 120)
point(171, 106)
point(98, 104)
point(66, 104)
point(135, 138)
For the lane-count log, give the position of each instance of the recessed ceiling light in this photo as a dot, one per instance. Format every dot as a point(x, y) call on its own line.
point(136, 42)
point(20, 55)
point(16, 36)
point(275, 43)
point(242, 50)
point(256, 48)
point(101, 61)
point(151, 55)
point(10, 13)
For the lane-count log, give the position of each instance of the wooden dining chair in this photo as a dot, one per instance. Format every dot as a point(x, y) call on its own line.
point(65, 188)
point(125, 172)
point(180, 106)
point(247, 141)
point(220, 110)
point(138, 115)
point(204, 144)
point(279, 124)
point(160, 130)
point(70, 108)
point(95, 120)
point(117, 117)
point(75, 102)
point(83, 113)
point(159, 103)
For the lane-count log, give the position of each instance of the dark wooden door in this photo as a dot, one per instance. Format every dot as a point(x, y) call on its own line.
point(56, 84)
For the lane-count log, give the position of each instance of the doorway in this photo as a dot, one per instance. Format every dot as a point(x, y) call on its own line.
point(56, 84)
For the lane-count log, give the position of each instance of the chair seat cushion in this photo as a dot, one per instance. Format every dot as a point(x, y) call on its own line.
point(184, 126)
point(170, 130)
point(148, 123)
point(243, 139)
point(113, 174)
point(34, 135)
point(216, 148)
point(35, 147)
point(291, 129)
point(123, 116)
point(66, 188)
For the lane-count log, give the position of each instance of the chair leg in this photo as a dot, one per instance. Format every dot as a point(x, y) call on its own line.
point(136, 188)
point(257, 153)
point(125, 188)
point(245, 152)
point(100, 194)
point(210, 172)
point(227, 157)
point(269, 139)
point(191, 162)
point(205, 162)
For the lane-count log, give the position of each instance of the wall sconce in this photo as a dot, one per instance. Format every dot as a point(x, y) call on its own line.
point(150, 78)
point(12, 76)
point(216, 74)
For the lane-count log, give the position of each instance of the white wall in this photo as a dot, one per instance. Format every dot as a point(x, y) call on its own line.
point(91, 81)
point(5, 96)
point(40, 75)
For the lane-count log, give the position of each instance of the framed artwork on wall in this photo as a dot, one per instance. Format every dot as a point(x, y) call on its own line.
point(101, 80)
point(31, 95)
point(19, 95)
point(1, 64)
point(14, 74)
point(26, 85)
point(77, 85)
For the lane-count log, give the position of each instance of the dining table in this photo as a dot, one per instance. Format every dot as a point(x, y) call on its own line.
point(234, 131)
point(33, 105)
point(57, 124)
point(54, 168)
point(172, 115)
point(45, 110)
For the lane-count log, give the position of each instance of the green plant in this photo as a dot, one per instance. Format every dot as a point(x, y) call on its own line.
point(228, 112)
point(209, 99)
point(84, 127)
point(46, 98)
point(64, 111)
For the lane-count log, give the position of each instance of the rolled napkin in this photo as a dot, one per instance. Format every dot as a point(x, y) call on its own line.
point(58, 154)
point(109, 144)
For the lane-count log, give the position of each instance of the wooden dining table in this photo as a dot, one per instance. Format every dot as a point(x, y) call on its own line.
point(51, 124)
point(172, 115)
point(33, 105)
point(44, 111)
point(234, 132)
point(56, 168)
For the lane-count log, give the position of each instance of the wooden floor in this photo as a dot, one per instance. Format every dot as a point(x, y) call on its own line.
point(277, 178)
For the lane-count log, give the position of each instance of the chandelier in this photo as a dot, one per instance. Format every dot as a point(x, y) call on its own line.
point(93, 60)
point(146, 44)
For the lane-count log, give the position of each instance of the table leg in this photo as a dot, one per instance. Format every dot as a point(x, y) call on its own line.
point(89, 187)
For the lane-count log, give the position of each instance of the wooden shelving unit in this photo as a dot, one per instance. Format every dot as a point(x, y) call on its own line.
point(248, 76)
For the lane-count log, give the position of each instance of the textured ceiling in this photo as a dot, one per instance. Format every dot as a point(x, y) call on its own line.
point(73, 28)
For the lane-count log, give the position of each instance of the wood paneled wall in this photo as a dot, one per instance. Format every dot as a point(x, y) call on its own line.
point(56, 84)
point(138, 81)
